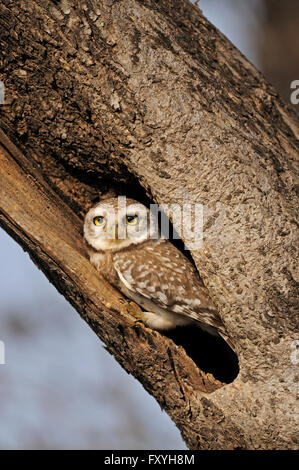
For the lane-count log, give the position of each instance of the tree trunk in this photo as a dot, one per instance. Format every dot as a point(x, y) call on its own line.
point(148, 99)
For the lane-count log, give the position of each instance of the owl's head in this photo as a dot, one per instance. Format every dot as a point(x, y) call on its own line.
point(117, 223)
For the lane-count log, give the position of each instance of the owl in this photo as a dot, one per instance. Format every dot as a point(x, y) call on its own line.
point(125, 246)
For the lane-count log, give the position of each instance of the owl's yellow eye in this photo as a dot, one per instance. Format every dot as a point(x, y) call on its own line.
point(132, 219)
point(99, 220)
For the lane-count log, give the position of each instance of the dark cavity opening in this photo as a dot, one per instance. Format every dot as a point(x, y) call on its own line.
point(210, 353)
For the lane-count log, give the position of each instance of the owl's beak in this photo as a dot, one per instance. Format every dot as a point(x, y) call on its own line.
point(115, 232)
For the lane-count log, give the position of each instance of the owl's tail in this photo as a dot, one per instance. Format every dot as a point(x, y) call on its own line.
point(227, 340)
point(218, 331)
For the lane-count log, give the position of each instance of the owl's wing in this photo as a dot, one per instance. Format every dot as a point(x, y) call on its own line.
point(161, 273)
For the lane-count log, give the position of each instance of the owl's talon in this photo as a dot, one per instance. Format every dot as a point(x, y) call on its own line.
point(125, 301)
point(139, 317)
point(139, 321)
point(134, 311)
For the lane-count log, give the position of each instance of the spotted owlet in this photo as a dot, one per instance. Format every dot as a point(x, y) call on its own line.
point(126, 248)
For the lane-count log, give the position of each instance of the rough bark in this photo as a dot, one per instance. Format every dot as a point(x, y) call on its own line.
point(147, 98)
